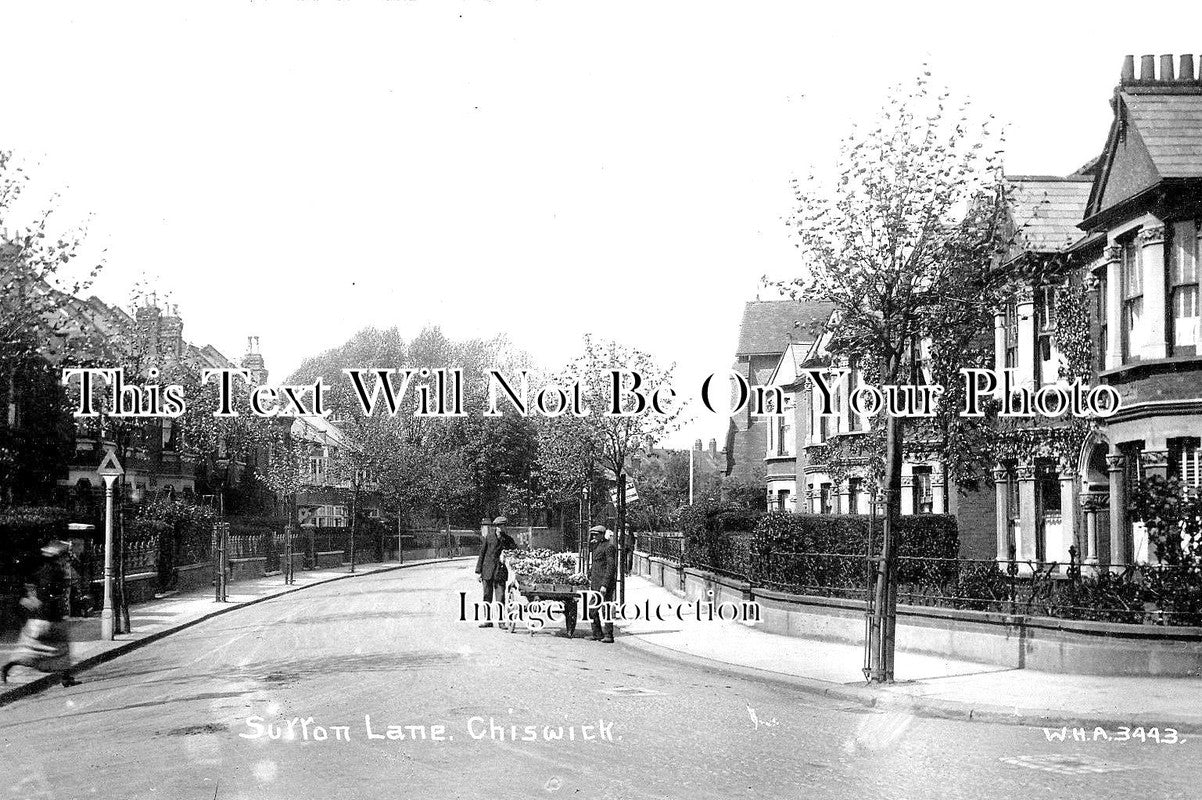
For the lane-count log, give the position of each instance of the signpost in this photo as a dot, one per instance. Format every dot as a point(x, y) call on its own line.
point(110, 469)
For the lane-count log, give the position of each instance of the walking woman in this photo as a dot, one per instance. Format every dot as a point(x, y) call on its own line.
point(44, 644)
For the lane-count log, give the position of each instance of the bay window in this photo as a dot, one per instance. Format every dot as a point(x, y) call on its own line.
point(1133, 299)
point(1183, 290)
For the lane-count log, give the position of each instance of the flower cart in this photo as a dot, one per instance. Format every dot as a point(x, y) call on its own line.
point(540, 575)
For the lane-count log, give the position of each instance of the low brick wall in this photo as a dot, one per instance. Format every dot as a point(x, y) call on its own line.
point(1018, 641)
point(194, 576)
point(298, 561)
point(247, 569)
point(329, 559)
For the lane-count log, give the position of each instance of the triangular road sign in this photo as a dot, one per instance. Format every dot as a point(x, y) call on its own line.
point(110, 467)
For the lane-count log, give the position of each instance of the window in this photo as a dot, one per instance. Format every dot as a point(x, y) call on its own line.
point(824, 499)
point(1133, 466)
point(1133, 299)
point(1185, 460)
point(1047, 360)
point(317, 469)
point(780, 433)
point(1011, 336)
point(924, 496)
point(1183, 290)
point(782, 500)
point(1103, 320)
point(330, 517)
point(853, 495)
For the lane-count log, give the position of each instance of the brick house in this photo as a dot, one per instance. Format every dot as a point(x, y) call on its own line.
point(1145, 206)
point(767, 330)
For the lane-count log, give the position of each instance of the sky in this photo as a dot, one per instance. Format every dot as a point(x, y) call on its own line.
point(301, 170)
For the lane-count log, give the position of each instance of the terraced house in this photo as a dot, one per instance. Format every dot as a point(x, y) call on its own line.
point(1145, 204)
point(1112, 254)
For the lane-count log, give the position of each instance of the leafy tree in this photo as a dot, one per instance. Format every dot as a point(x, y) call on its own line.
point(39, 273)
point(907, 245)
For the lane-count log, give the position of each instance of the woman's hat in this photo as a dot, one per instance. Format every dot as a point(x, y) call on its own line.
point(597, 529)
point(500, 521)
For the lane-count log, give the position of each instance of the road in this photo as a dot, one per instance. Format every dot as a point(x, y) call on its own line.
point(186, 718)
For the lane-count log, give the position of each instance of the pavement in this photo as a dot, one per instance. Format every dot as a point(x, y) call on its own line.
point(926, 684)
point(372, 687)
point(161, 617)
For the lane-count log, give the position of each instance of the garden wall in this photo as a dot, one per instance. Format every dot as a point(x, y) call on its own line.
point(1018, 641)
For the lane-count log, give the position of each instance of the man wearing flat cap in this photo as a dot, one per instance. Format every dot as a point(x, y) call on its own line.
point(603, 579)
point(489, 567)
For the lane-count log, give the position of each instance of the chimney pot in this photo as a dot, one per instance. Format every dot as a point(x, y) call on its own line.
point(697, 444)
point(1128, 74)
point(1166, 68)
point(1186, 71)
point(1147, 68)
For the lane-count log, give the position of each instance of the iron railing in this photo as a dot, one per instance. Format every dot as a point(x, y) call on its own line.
point(1155, 594)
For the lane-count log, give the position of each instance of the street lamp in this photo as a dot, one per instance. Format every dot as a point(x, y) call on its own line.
point(110, 469)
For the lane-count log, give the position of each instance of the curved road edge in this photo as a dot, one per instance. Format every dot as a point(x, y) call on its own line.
point(120, 648)
point(899, 700)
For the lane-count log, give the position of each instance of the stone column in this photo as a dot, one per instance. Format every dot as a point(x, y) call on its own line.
point(1069, 535)
point(1114, 304)
point(938, 489)
point(1025, 309)
point(1027, 530)
point(1120, 540)
point(1001, 487)
point(1089, 507)
point(1151, 244)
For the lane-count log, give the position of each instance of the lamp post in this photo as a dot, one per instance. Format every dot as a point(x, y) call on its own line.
point(110, 469)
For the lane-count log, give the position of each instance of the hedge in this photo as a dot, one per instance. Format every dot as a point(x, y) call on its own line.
point(768, 547)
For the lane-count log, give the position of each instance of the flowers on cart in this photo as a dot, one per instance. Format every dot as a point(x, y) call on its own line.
point(544, 567)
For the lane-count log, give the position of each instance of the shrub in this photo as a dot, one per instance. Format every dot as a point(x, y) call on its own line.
point(825, 552)
point(717, 536)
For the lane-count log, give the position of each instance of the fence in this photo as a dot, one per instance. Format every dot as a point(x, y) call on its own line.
point(1158, 594)
point(669, 546)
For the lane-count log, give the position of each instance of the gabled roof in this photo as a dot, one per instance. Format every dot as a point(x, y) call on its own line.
point(769, 326)
point(1046, 210)
point(1155, 136)
point(789, 366)
point(1171, 128)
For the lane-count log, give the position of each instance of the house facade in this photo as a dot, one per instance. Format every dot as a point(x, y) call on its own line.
point(1109, 295)
point(766, 331)
point(1145, 206)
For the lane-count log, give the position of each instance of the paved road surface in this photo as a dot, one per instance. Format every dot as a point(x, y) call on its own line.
point(176, 719)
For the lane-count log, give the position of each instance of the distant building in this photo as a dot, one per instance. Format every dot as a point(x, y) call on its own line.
point(766, 331)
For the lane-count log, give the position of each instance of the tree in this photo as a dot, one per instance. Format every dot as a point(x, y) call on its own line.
point(36, 291)
point(575, 451)
point(907, 246)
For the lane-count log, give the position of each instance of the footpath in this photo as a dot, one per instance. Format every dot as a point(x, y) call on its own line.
point(926, 685)
point(163, 616)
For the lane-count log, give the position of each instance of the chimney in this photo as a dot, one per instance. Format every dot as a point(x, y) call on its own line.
point(713, 448)
point(1186, 72)
point(253, 361)
point(1147, 68)
point(697, 445)
point(1166, 68)
point(1128, 74)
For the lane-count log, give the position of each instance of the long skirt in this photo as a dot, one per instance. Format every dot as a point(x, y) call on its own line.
point(44, 646)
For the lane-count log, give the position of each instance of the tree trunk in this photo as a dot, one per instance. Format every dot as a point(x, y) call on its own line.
point(881, 637)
